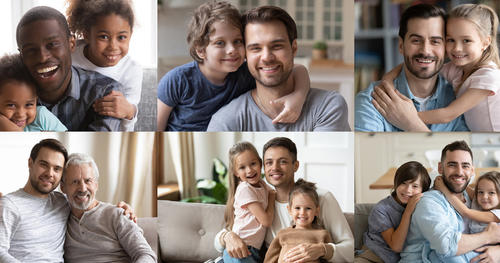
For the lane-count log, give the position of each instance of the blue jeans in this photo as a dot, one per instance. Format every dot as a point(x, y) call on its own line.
point(253, 258)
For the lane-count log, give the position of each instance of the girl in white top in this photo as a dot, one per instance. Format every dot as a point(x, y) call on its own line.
point(249, 207)
point(103, 29)
point(485, 206)
point(471, 45)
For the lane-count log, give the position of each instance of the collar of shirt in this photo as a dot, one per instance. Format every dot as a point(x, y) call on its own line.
point(401, 83)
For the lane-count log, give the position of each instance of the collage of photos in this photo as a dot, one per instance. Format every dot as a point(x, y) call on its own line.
point(216, 131)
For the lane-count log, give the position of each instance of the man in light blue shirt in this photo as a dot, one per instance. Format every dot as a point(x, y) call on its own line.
point(421, 42)
point(438, 233)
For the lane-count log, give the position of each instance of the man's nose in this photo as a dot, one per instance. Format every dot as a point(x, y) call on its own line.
point(44, 54)
point(267, 54)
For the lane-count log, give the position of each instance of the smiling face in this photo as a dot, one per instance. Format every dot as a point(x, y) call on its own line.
point(464, 45)
point(456, 169)
point(303, 210)
point(487, 195)
point(423, 46)
point(225, 51)
point(80, 186)
point(18, 102)
point(407, 189)
point(279, 166)
point(46, 52)
point(108, 40)
point(248, 167)
point(45, 172)
point(269, 52)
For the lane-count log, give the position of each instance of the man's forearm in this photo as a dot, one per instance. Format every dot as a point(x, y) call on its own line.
point(469, 242)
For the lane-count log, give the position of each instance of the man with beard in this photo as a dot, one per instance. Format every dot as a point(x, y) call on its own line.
point(97, 231)
point(421, 42)
point(271, 44)
point(45, 43)
point(438, 233)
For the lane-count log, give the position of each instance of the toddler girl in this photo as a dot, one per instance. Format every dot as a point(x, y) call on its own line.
point(304, 210)
point(103, 29)
point(389, 220)
point(485, 207)
point(18, 109)
point(250, 204)
point(190, 94)
point(471, 45)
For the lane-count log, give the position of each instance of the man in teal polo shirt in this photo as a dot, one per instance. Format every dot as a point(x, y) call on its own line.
point(421, 42)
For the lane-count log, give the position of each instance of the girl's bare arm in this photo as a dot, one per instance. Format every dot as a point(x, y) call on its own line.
point(265, 217)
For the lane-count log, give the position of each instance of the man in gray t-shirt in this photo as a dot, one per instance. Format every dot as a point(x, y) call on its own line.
point(97, 231)
point(271, 45)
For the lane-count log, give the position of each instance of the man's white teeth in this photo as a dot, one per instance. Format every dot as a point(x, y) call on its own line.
point(424, 60)
point(45, 70)
point(270, 68)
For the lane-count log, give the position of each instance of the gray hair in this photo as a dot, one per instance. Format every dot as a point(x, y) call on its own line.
point(81, 159)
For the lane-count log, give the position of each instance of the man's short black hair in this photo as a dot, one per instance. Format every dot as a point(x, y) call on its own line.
point(52, 144)
point(419, 11)
point(42, 13)
point(281, 142)
point(456, 146)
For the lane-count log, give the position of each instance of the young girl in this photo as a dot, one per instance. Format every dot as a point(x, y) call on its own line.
point(390, 218)
point(104, 29)
point(18, 110)
point(471, 45)
point(190, 94)
point(250, 204)
point(486, 205)
point(307, 228)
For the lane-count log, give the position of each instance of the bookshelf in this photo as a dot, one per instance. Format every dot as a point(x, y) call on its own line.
point(376, 35)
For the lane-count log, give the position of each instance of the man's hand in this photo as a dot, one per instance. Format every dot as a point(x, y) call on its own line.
point(115, 105)
point(488, 254)
point(493, 230)
point(305, 253)
point(396, 108)
point(128, 211)
point(235, 246)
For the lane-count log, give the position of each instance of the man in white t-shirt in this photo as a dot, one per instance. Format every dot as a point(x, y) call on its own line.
point(280, 164)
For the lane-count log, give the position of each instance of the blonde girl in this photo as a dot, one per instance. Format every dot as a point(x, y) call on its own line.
point(304, 210)
point(103, 29)
point(250, 204)
point(471, 45)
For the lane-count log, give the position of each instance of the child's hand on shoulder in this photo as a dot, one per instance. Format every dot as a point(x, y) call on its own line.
point(439, 183)
point(413, 201)
point(272, 195)
point(115, 105)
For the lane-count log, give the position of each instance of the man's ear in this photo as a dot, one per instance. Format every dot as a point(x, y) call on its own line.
point(294, 47)
point(30, 162)
point(400, 45)
point(296, 166)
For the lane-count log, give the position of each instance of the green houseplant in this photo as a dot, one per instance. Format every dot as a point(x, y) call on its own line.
point(319, 50)
point(212, 191)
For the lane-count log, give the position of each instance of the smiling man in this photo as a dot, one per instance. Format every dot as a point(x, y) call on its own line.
point(438, 233)
point(97, 231)
point(45, 44)
point(421, 42)
point(271, 44)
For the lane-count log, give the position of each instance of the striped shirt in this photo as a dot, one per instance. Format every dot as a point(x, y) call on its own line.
point(75, 109)
point(32, 229)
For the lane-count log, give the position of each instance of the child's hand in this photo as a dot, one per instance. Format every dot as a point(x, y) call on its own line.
point(115, 105)
point(289, 113)
point(271, 196)
point(439, 183)
point(8, 125)
point(412, 203)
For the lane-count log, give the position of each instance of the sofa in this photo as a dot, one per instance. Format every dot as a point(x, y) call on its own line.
point(184, 232)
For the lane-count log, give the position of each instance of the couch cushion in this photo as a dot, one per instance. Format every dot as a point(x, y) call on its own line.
point(148, 225)
point(187, 230)
point(361, 213)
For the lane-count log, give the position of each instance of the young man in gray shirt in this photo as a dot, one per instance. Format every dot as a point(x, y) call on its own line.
point(97, 231)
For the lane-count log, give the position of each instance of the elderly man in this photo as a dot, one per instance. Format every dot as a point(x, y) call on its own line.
point(97, 231)
point(271, 45)
point(280, 165)
point(45, 43)
point(421, 42)
point(438, 233)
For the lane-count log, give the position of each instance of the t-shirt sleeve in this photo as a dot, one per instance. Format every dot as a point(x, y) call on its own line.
point(450, 72)
point(486, 79)
point(332, 115)
point(48, 121)
point(245, 195)
point(379, 220)
point(9, 217)
point(170, 88)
